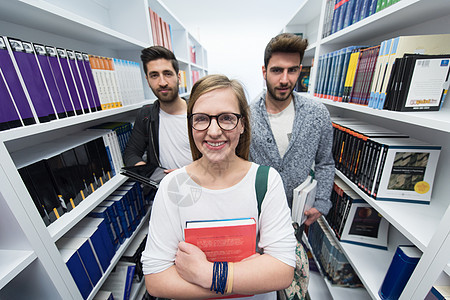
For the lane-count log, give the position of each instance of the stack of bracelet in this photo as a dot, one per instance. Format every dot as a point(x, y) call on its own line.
point(219, 279)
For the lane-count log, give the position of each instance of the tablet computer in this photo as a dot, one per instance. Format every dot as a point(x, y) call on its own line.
point(150, 175)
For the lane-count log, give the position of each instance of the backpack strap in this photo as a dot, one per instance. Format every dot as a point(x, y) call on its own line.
point(262, 176)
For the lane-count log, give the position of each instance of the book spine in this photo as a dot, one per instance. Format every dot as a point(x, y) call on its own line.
point(380, 172)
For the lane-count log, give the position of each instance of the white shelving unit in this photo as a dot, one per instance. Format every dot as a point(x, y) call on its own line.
point(31, 266)
point(181, 41)
point(425, 226)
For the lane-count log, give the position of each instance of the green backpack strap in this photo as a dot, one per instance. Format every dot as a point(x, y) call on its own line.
point(262, 176)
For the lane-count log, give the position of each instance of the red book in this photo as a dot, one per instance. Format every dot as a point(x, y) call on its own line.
point(229, 240)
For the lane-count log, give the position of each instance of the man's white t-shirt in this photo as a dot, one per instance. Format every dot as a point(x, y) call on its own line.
point(174, 149)
point(281, 124)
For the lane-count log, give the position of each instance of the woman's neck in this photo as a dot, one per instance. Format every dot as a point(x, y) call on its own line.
point(219, 175)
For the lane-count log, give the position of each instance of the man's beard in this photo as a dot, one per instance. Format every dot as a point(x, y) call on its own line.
point(272, 92)
point(171, 96)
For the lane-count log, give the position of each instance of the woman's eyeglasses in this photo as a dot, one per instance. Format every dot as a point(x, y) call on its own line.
point(226, 121)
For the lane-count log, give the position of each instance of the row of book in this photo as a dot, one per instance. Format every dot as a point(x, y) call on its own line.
point(182, 89)
point(385, 164)
point(354, 221)
point(118, 81)
point(161, 30)
point(88, 248)
point(379, 76)
point(40, 83)
point(342, 13)
point(123, 211)
point(59, 175)
point(332, 261)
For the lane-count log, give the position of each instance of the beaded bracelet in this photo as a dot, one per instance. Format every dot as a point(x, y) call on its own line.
point(220, 275)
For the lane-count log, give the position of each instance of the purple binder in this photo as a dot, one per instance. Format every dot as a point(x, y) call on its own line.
point(29, 70)
point(64, 62)
point(77, 79)
point(60, 80)
point(12, 80)
point(9, 118)
point(55, 94)
point(85, 80)
point(88, 69)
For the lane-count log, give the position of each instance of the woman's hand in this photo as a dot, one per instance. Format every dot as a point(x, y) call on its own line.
point(192, 265)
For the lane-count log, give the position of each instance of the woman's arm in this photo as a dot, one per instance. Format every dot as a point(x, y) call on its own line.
point(260, 274)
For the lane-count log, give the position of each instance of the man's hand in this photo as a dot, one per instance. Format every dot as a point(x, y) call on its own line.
point(312, 215)
point(140, 163)
point(192, 266)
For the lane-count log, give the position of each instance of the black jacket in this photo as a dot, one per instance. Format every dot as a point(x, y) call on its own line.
point(144, 137)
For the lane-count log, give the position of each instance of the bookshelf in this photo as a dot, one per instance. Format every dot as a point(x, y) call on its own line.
point(425, 226)
point(30, 263)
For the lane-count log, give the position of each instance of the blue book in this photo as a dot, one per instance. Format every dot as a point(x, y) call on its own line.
point(336, 12)
point(373, 7)
point(364, 12)
point(357, 10)
point(93, 234)
point(123, 213)
point(100, 212)
point(113, 217)
point(126, 196)
point(327, 69)
point(102, 226)
point(137, 196)
point(77, 270)
point(337, 74)
point(86, 253)
point(132, 201)
point(402, 266)
point(342, 13)
point(331, 78)
point(319, 76)
point(348, 19)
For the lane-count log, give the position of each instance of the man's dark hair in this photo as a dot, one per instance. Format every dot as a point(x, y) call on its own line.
point(157, 52)
point(287, 43)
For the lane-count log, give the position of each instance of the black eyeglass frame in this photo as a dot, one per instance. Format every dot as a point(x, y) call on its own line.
point(239, 116)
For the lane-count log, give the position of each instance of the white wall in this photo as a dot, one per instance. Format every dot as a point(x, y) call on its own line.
point(235, 33)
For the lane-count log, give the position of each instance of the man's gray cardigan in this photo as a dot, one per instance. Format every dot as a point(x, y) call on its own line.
point(311, 142)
